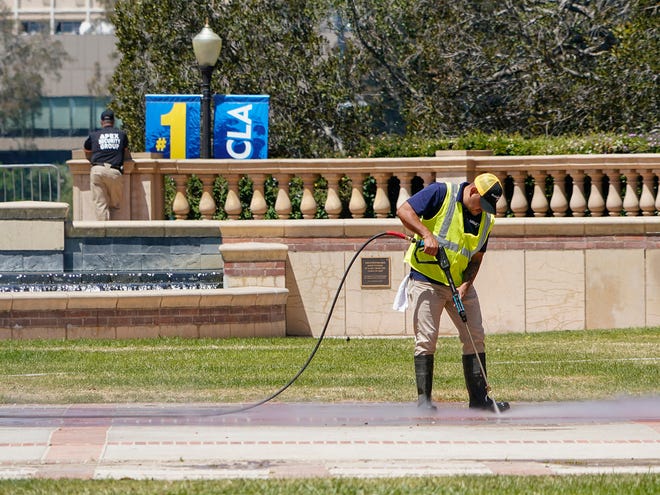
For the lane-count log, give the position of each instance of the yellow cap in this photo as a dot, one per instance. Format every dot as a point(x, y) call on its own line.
point(490, 190)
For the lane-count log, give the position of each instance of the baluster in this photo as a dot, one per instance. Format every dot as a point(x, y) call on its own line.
point(539, 201)
point(578, 202)
point(518, 201)
point(180, 206)
point(646, 201)
point(502, 205)
point(233, 206)
point(630, 200)
point(282, 201)
point(207, 204)
point(332, 202)
point(258, 205)
point(427, 177)
point(558, 203)
point(308, 203)
point(657, 199)
point(405, 182)
point(381, 201)
point(357, 205)
point(596, 202)
point(614, 202)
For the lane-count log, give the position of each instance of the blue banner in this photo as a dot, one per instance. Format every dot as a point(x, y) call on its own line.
point(240, 128)
point(172, 125)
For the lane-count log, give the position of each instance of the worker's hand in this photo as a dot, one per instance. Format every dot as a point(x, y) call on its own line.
point(462, 289)
point(430, 244)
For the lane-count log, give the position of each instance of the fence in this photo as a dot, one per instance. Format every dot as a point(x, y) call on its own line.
point(30, 182)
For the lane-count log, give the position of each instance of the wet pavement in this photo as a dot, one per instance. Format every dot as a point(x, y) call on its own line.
point(285, 440)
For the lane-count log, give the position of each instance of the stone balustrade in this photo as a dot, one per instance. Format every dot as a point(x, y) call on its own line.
point(535, 186)
point(585, 185)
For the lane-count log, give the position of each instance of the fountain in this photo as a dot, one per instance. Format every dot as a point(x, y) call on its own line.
point(108, 281)
point(122, 280)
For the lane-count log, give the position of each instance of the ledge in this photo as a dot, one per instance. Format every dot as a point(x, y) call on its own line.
point(33, 210)
point(571, 226)
point(191, 298)
point(145, 228)
point(232, 230)
point(253, 251)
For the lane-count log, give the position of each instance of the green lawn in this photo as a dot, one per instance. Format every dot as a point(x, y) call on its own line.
point(552, 366)
point(469, 485)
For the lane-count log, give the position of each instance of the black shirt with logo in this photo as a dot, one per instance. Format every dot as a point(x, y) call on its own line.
point(107, 146)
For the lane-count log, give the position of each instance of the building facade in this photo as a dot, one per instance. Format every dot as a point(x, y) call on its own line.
point(57, 16)
point(72, 104)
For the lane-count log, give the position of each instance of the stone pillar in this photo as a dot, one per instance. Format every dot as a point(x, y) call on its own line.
point(254, 264)
point(32, 237)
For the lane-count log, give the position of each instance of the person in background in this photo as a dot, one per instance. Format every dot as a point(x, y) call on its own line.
point(106, 149)
point(458, 218)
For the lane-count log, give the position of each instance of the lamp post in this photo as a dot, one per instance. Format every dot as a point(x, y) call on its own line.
point(206, 46)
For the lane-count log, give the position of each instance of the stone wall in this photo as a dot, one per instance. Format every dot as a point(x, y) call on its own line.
point(141, 246)
point(539, 274)
point(194, 313)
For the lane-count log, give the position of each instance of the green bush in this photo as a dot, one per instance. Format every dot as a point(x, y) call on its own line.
point(504, 144)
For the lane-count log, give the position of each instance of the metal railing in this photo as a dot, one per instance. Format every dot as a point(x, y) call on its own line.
point(30, 182)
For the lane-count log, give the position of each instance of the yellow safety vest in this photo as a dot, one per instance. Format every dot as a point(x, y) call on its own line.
point(447, 227)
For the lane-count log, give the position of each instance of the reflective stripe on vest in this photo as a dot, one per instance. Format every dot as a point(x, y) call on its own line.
point(447, 226)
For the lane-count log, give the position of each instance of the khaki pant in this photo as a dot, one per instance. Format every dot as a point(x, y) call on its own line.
point(107, 190)
point(428, 301)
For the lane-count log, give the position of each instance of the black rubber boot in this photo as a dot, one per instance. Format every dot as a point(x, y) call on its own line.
point(424, 378)
point(476, 384)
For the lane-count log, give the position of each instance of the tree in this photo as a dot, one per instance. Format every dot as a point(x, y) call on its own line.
point(419, 67)
point(527, 66)
point(269, 47)
point(26, 62)
point(627, 98)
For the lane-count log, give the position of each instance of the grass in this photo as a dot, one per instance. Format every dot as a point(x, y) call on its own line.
point(486, 485)
point(549, 366)
point(552, 366)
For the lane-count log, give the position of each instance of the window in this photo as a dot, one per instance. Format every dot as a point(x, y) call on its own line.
point(32, 27)
point(63, 116)
point(67, 27)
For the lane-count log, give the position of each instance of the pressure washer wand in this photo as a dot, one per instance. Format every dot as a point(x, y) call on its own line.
point(443, 263)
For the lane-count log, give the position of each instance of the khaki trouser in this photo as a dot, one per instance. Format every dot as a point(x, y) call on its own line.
point(427, 301)
point(107, 189)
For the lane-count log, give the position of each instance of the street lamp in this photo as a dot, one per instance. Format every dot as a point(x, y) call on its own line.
point(206, 46)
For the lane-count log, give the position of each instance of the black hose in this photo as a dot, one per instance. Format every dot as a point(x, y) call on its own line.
point(262, 401)
point(325, 328)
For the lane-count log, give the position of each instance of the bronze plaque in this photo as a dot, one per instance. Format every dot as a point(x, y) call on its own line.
point(376, 273)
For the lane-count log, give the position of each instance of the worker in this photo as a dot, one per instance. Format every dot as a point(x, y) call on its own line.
point(458, 218)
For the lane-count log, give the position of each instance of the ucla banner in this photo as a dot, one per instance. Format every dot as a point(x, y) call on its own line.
point(172, 124)
point(240, 129)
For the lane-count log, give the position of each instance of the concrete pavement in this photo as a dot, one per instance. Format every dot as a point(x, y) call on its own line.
point(280, 440)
